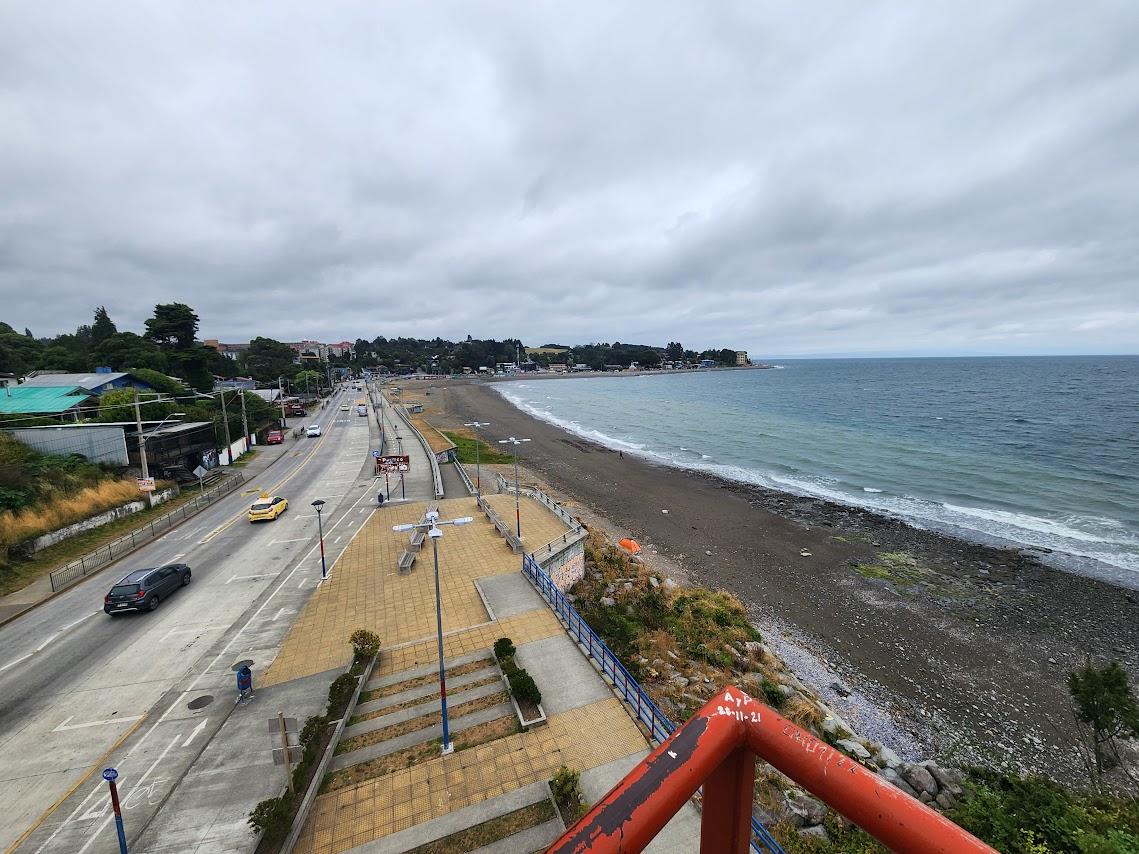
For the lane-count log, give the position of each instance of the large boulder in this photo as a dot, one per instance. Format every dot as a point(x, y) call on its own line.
point(807, 809)
point(888, 758)
point(919, 777)
point(853, 748)
point(816, 831)
point(895, 779)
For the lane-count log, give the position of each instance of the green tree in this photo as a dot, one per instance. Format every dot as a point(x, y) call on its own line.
point(103, 327)
point(674, 352)
point(57, 358)
point(192, 366)
point(308, 380)
point(267, 359)
point(174, 326)
point(19, 354)
point(125, 351)
point(1105, 711)
point(160, 381)
point(118, 405)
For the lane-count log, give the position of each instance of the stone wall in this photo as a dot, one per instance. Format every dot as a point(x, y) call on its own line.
point(566, 567)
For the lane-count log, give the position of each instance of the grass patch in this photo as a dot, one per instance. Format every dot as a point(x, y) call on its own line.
point(465, 444)
point(420, 681)
point(900, 568)
point(490, 831)
point(245, 459)
point(19, 573)
point(408, 704)
point(422, 722)
point(382, 765)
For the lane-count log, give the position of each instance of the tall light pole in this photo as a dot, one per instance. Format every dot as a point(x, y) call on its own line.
point(319, 505)
point(142, 441)
point(430, 524)
point(281, 397)
point(514, 443)
point(225, 424)
point(478, 479)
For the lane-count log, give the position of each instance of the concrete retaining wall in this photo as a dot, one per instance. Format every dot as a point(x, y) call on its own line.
point(31, 547)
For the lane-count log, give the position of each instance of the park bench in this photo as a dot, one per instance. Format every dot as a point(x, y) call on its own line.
point(416, 540)
point(406, 559)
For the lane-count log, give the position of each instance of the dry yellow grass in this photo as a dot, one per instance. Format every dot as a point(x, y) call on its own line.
point(16, 527)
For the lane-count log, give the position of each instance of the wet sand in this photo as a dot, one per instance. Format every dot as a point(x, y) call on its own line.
point(967, 647)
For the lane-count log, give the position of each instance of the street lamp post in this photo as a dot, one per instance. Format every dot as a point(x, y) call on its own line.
point(514, 443)
point(478, 472)
point(142, 442)
point(430, 524)
point(319, 505)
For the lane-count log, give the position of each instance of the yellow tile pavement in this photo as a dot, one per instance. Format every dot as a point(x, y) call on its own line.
point(366, 589)
point(375, 808)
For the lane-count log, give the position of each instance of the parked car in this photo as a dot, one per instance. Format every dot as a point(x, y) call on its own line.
point(267, 508)
point(274, 437)
point(312, 431)
point(297, 410)
point(143, 589)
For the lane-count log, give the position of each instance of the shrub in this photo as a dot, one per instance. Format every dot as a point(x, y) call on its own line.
point(271, 817)
point(503, 648)
point(771, 693)
point(523, 688)
point(365, 643)
point(339, 693)
point(1023, 815)
point(565, 786)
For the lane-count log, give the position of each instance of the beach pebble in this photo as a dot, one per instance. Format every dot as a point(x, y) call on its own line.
point(707, 551)
point(665, 512)
point(804, 553)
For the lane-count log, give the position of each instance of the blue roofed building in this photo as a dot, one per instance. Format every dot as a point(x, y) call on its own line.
point(98, 382)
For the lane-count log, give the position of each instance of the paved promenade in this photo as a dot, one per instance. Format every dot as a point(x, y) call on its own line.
point(485, 597)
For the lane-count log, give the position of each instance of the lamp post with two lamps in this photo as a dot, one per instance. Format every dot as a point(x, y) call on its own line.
point(319, 505)
point(478, 479)
point(517, 507)
point(430, 525)
point(142, 437)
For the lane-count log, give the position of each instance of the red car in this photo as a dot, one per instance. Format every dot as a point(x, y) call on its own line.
point(274, 437)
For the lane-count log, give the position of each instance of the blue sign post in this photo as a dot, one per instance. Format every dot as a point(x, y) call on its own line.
point(110, 775)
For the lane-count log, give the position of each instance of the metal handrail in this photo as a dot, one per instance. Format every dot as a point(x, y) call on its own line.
point(436, 475)
point(638, 701)
point(100, 557)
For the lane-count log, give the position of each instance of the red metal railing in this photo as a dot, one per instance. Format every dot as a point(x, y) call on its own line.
point(716, 748)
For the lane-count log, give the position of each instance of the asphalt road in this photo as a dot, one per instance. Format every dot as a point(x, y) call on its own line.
point(80, 689)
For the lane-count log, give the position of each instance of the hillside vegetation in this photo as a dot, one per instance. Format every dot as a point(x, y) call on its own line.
point(40, 493)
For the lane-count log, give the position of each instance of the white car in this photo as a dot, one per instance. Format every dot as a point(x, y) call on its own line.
point(312, 431)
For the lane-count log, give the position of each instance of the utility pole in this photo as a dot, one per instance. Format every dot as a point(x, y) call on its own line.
point(244, 419)
point(142, 447)
point(281, 397)
point(225, 424)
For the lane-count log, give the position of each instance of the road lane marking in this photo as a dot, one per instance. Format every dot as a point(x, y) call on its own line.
point(298, 540)
point(67, 725)
point(274, 489)
point(249, 577)
point(257, 613)
point(197, 730)
point(100, 763)
point(334, 542)
point(16, 661)
point(279, 613)
point(95, 833)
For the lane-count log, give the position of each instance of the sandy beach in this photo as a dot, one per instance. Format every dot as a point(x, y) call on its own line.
point(966, 648)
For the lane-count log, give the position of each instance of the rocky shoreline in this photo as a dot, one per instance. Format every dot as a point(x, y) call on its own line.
point(966, 647)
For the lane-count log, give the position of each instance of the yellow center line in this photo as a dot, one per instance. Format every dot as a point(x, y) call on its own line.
point(241, 514)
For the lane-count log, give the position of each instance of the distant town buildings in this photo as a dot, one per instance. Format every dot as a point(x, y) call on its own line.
point(307, 350)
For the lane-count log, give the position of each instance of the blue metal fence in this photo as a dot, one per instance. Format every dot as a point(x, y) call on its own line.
point(638, 700)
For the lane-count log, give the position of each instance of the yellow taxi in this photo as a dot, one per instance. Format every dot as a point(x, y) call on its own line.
point(267, 508)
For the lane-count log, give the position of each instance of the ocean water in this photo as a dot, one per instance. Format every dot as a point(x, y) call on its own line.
point(1032, 452)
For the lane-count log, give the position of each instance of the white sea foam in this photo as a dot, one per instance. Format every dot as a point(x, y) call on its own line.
point(1104, 540)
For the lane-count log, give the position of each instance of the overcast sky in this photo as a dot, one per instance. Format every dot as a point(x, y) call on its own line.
point(789, 178)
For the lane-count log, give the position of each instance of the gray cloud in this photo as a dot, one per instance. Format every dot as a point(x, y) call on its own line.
point(810, 179)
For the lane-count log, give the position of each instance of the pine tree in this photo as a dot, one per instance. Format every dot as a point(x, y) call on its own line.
point(103, 327)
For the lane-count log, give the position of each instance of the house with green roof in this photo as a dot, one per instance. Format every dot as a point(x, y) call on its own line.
point(48, 402)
